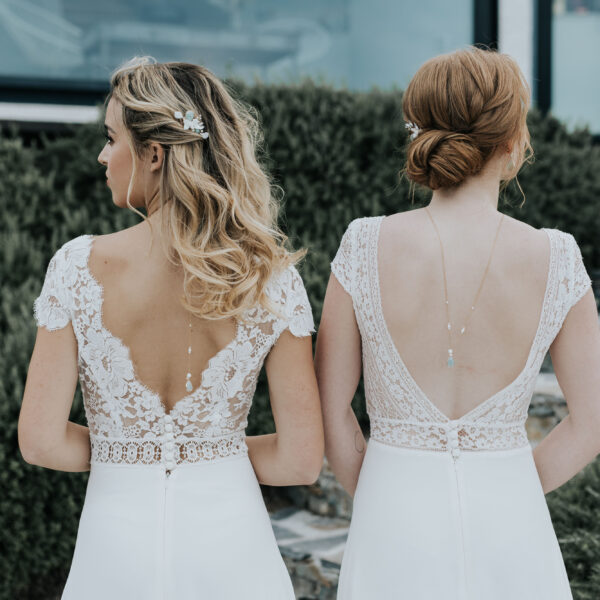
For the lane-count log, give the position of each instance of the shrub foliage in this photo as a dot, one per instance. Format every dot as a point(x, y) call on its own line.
point(336, 155)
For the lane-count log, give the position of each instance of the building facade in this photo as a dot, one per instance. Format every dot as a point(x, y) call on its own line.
point(56, 56)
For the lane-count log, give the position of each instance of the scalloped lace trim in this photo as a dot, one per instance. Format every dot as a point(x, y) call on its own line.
point(150, 452)
point(441, 436)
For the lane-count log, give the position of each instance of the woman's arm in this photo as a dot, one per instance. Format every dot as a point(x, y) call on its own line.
point(575, 441)
point(46, 436)
point(338, 367)
point(293, 455)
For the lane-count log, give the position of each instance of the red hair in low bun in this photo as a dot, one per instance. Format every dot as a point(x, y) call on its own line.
point(467, 104)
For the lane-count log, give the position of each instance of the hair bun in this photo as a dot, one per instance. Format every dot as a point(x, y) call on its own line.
point(439, 158)
point(469, 104)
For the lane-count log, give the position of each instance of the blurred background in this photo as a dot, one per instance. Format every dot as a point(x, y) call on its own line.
point(326, 80)
point(62, 51)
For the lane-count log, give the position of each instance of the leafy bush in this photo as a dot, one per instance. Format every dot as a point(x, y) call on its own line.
point(336, 154)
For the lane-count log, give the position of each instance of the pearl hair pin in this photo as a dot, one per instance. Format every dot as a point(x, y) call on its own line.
point(413, 128)
point(195, 123)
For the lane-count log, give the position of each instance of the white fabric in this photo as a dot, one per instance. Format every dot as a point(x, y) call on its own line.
point(133, 439)
point(202, 532)
point(436, 450)
point(426, 526)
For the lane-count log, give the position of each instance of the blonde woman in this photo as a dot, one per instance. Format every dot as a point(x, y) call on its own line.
point(167, 325)
point(448, 312)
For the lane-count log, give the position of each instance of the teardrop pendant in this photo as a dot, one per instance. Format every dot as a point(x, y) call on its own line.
point(450, 358)
point(188, 385)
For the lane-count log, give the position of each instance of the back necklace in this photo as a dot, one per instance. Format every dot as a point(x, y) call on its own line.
point(188, 376)
point(450, 361)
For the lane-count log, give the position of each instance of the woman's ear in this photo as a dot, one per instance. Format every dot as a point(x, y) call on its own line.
point(156, 155)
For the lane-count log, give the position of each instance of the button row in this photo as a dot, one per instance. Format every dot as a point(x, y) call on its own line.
point(169, 445)
point(452, 435)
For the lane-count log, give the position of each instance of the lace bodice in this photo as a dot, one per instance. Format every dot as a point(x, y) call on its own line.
point(400, 412)
point(127, 421)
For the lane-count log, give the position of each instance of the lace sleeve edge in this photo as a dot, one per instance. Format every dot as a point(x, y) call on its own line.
point(337, 271)
point(342, 264)
point(580, 291)
point(49, 316)
point(51, 309)
point(581, 278)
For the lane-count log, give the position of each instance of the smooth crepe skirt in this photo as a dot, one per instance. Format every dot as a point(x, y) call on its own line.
point(201, 533)
point(425, 526)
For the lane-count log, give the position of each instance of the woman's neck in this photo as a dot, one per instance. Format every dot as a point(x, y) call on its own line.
point(476, 195)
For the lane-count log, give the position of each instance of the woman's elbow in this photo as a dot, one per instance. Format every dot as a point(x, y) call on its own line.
point(29, 452)
point(307, 472)
point(309, 462)
point(30, 445)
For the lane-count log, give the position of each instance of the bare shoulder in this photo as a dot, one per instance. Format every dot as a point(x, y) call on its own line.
point(532, 244)
point(403, 231)
point(113, 252)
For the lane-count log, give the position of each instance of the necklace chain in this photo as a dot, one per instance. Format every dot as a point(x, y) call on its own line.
point(188, 377)
point(450, 361)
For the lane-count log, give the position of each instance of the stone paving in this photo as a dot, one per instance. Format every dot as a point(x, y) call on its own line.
point(312, 547)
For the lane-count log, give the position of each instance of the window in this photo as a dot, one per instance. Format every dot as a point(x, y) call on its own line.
point(575, 74)
point(74, 45)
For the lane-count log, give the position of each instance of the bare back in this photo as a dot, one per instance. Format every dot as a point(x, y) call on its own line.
point(142, 307)
point(496, 343)
point(391, 268)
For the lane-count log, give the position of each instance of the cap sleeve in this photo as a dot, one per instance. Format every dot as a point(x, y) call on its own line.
point(297, 307)
point(580, 281)
point(52, 308)
point(343, 264)
point(292, 306)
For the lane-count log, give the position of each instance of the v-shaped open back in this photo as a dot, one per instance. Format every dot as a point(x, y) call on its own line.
point(125, 353)
point(127, 420)
point(400, 412)
point(401, 366)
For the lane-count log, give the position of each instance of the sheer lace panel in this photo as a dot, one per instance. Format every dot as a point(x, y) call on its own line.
point(343, 265)
point(127, 421)
point(579, 280)
point(399, 411)
point(52, 308)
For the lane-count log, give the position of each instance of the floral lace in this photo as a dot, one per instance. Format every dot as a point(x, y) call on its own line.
point(127, 421)
point(400, 412)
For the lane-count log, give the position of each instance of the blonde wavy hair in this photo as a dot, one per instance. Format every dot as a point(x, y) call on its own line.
point(219, 214)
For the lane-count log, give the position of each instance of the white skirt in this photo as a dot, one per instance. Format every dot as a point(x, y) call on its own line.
point(203, 532)
point(424, 526)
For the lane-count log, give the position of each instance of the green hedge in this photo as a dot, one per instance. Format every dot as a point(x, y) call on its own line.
point(336, 155)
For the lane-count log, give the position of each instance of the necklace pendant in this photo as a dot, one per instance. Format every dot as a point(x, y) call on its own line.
point(188, 385)
point(450, 358)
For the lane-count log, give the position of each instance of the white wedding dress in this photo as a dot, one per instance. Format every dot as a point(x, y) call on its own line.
point(449, 508)
point(173, 509)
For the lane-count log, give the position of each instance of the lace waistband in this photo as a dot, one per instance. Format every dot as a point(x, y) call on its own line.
point(168, 452)
point(451, 436)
